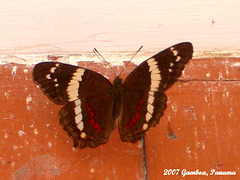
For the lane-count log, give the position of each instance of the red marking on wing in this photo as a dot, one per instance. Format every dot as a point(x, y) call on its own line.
point(138, 107)
point(97, 127)
point(137, 115)
point(92, 121)
point(91, 114)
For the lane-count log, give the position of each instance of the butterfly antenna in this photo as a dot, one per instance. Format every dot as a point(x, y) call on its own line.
point(104, 61)
point(130, 60)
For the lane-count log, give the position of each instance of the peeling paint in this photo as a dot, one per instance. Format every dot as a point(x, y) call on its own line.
point(35, 131)
point(15, 147)
point(14, 70)
point(208, 74)
point(220, 75)
point(203, 118)
point(188, 151)
point(174, 107)
point(193, 113)
point(236, 64)
point(25, 71)
point(4, 162)
point(185, 109)
point(21, 133)
point(140, 144)
point(49, 144)
point(28, 100)
point(5, 135)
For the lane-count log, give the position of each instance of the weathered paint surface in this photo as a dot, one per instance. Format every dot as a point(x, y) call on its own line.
point(203, 112)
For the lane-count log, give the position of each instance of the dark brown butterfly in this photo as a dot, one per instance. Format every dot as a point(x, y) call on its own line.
point(94, 107)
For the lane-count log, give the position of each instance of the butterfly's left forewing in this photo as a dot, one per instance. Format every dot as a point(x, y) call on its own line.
point(144, 100)
point(83, 93)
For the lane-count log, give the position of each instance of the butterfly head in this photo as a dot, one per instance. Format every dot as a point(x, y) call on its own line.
point(118, 81)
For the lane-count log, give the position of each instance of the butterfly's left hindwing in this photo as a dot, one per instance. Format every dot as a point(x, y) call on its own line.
point(144, 100)
point(83, 93)
point(87, 121)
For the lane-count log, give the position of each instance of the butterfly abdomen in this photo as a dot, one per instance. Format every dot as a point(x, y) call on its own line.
point(117, 94)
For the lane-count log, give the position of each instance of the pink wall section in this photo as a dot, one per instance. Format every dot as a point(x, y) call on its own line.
point(61, 27)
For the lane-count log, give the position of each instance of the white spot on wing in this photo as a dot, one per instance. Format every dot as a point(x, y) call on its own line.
point(154, 84)
point(151, 60)
point(80, 126)
point(73, 98)
point(77, 102)
point(73, 85)
point(78, 118)
point(150, 108)
point(52, 70)
point(156, 77)
point(151, 93)
point(150, 99)
point(156, 71)
point(83, 135)
point(153, 88)
point(48, 76)
point(78, 74)
point(148, 116)
point(178, 58)
point(73, 95)
point(175, 52)
point(77, 110)
point(145, 126)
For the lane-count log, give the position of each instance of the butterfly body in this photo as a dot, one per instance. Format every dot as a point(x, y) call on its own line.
point(94, 107)
point(117, 91)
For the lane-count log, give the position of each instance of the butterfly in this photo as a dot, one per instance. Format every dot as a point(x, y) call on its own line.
point(93, 106)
